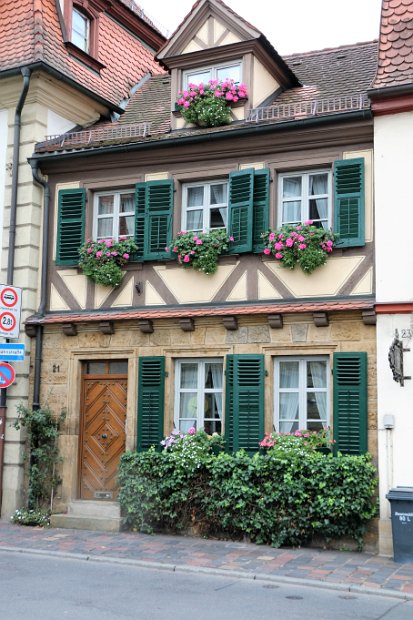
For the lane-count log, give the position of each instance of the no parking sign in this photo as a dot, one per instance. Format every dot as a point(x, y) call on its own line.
point(7, 375)
point(10, 310)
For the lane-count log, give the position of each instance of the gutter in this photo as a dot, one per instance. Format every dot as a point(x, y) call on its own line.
point(26, 73)
point(389, 91)
point(42, 181)
point(251, 129)
point(41, 66)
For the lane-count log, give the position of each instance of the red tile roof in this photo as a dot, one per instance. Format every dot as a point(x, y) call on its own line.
point(395, 59)
point(31, 32)
point(173, 313)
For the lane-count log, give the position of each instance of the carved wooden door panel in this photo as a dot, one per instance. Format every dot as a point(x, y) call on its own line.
point(102, 438)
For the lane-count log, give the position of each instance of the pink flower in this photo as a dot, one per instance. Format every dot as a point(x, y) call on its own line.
point(192, 430)
point(298, 228)
point(166, 249)
point(181, 101)
point(98, 254)
point(114, 253)
point(289, 243)
point(122, 237)
point(89, 251)
point(308, 222)
point(199, 242)
point(218, 93)
point(175, 249)
point(278, 245)
point(301, 238)
point(302, 246)
point(126, 255)
point(279, 256)
point(271, 236)
point(329, 243)
point(229, 96)
point(108, 243)
point(231, 238)
point(108, 254)
point(267, 251)
point(186, 104)
point(187, 258)
point(235, 98)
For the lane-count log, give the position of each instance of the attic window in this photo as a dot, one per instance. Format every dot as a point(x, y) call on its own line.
point(80, 30)
point(232, 71)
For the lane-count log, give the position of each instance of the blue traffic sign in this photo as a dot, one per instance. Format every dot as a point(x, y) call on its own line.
point(12, 352)
point(7, 375)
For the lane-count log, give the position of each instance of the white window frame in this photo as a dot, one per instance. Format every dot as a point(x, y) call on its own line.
point(201, 390)
point(206, 207)
point(302, 389)
point(115, 215)
point(212, 69)
point(84, 35)
point(305, 198)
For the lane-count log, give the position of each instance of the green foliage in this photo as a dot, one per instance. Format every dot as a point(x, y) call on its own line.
point(201, 250)
point(208, 105)
point(304, 244)
point(304, 440)
point(282, 497)
point(101, 261)
point(42, 457)
point(24, 516)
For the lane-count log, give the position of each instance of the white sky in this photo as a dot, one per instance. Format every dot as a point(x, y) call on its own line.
point(290, 25)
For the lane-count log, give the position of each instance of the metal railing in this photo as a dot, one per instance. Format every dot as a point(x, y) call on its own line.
point(303, 109)
point(104, 134)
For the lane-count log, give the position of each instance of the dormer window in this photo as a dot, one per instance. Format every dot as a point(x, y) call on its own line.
point(232, 71)
point(80, 30)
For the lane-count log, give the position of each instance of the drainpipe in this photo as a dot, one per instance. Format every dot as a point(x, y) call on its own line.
point(12, 242)
point(41, 180)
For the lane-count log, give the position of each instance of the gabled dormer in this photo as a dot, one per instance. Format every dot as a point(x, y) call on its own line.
point(213, 42)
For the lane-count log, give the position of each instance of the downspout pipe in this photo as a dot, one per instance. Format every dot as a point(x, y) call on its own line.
point(42, 181)
point(12, 242)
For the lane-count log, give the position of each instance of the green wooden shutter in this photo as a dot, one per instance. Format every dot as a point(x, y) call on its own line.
point(240, 206)
point(349, 202)
point(261, 207)
point(244, 402)
point(151, 386)
point(70, 225)
point(153, 218)
point(350, 402)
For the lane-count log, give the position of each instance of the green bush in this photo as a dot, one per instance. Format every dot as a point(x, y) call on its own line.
point(277, 498)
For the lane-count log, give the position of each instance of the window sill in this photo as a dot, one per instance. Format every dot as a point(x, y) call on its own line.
point(84, 57)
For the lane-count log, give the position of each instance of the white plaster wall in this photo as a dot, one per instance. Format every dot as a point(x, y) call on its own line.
point(56, 124)
point(393, 155)
point(394, 446)
point(3, 153)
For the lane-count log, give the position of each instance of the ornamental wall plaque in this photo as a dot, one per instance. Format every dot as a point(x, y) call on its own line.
point(396, 359)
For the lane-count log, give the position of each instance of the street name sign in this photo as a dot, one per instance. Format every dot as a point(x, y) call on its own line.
point(12, 352)
point(10, 310)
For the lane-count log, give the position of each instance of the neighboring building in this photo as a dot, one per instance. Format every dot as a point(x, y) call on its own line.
point(392, 105)
point(254, 346)
point(63, 65)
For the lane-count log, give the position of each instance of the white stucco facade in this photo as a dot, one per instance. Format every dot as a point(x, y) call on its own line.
point(3, 153)
point(394, 286)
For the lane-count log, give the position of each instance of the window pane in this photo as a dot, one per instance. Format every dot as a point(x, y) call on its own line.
point(318, 184)
point(289, 406)
point(289, 427)
point(197, 77)
point(188, 405)
point(213, 376)
point(194, 220)
point(288, 374)
point(195, 196)
point(105, 205)
point(96, 368)
point(189, 376)
point(316, 374)
point(316, 406)
point(219, 218)
point(291, 212)
point(126, 225)
point(80, 30)
point(118, 367)
point(126, 203)
point(218, 194)
point(231, 72)
point(318, 209)
point(212, 426)
point(105, 228)
point(291, 187)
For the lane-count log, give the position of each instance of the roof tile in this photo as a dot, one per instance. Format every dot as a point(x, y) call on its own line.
point(395, 44)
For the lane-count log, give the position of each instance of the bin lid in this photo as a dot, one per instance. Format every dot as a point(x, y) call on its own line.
point(405, 493)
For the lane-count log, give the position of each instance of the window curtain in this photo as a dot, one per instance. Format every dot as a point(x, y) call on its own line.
point(216, 372)
point(292, 208)
point(218, 196)
point(318, 376)
point(318, 185)
point(288, 401)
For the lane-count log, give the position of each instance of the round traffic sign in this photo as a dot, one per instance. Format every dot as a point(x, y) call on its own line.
point(7, 321)
point(7, 374)
point(9, 297)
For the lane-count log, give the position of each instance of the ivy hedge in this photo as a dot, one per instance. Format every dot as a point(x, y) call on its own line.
point(284, 496)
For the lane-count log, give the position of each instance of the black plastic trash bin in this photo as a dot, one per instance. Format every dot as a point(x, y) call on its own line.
point(401, 502)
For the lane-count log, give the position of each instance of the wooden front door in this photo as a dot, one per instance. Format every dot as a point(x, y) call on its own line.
point(102, 436)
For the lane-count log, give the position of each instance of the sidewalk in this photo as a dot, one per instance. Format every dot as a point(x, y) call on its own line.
point(341, 570)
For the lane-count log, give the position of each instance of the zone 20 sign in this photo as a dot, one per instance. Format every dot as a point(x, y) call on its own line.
point(10, 310)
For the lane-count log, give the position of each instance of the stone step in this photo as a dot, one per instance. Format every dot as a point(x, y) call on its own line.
point(93, 508)
point(86, 522)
